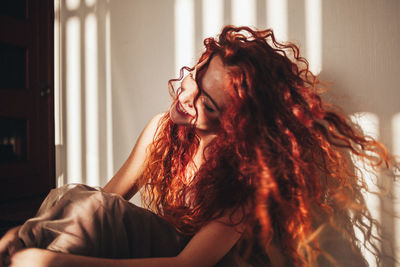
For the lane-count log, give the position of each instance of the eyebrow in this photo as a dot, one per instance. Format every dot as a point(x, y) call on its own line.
point(205, 93)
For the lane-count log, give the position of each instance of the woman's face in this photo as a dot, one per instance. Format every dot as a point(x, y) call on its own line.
point(213, 98)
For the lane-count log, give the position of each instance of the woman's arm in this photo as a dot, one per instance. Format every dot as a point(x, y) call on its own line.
point(206, 248)
point(210, 244)
point(124, 181)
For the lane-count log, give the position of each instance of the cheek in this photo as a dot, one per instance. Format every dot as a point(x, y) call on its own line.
point(206, 120)
point(212, 123)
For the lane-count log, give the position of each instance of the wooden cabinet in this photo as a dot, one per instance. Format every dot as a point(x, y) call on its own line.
point(27, 164)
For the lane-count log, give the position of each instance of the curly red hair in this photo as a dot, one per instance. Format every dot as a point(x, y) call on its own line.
point(281, 157)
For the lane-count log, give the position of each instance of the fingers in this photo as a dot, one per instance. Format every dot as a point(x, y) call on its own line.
point(5, 259)
point(15, 246)
point(3, 245)
point(8, 249)
point(4, 256)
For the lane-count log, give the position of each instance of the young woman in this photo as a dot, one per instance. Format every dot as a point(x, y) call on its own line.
point(248, 167)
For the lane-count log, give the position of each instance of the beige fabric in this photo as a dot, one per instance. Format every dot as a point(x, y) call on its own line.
point(82, 220)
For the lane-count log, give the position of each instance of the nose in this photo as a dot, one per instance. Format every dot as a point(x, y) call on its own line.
point(187, 97)
point(188, 93)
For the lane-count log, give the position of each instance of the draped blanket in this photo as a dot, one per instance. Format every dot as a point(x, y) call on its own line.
point(82, 220)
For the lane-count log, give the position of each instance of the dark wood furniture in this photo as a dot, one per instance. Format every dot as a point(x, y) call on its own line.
point(27, 161)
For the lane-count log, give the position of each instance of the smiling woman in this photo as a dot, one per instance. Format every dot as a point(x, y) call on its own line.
point(248, 167)
point(203, 96)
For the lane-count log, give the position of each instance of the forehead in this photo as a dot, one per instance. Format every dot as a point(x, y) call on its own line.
point(216, 80)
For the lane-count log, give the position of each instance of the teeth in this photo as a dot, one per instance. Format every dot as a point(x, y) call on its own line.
point(181, 109)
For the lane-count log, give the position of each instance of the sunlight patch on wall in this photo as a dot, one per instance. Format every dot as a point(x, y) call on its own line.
point(184, 34)
point(57, 76)
point(109, 120)
point(213, 14)
point(90, 3)
point(396, 189)
point(73, 101)
point(91, 101)
point(277, 18)
point(72, 4)
point(244, 13)
point(369, 123)
point(58, 107)
point(313, 10)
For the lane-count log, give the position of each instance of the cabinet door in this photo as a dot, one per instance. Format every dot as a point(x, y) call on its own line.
point(26, 107)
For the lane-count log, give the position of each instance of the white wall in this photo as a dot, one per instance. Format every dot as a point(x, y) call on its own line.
point(112, 69)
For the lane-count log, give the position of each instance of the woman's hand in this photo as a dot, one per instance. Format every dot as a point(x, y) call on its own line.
point(9, 244)
point(33, 257)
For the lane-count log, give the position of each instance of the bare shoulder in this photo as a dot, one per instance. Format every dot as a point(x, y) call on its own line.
point(155, 122)
point(151, 130)
point(124, 182)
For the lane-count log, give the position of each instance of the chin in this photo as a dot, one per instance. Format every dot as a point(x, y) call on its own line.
point(178, 118)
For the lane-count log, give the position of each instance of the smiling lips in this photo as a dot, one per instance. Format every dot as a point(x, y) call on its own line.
point(181, 110)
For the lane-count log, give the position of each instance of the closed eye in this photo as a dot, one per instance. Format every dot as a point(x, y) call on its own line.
point(208, 108)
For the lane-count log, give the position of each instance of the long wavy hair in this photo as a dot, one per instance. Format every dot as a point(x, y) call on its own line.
point(281, 158)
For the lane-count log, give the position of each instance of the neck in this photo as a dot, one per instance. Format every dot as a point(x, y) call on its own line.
point(205, 137)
